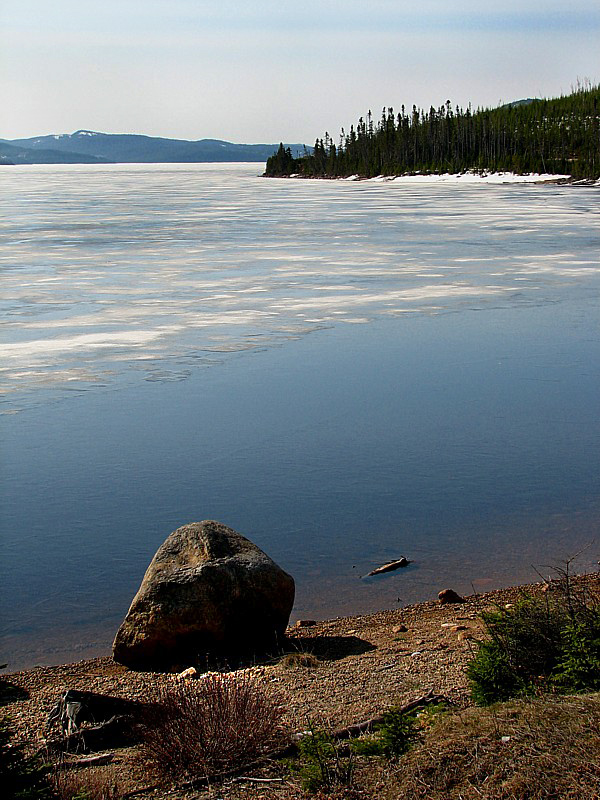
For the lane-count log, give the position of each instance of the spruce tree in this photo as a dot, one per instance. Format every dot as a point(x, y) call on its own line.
point(22, 777)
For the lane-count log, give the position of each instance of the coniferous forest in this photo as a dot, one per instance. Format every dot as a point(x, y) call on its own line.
point(559, 136)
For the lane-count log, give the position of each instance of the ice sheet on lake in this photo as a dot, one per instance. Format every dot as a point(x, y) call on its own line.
point(114, 272)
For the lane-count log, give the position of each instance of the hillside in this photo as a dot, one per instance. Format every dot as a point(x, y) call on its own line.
point(90, 146)
point(560, 136)
point(11, 153)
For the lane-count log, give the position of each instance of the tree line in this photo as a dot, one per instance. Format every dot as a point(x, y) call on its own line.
point(559, 135)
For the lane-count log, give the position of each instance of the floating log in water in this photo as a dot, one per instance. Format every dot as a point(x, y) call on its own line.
point(390, 566)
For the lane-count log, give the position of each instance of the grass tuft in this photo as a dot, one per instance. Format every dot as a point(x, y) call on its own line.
point(85, 784)
point(299, 659)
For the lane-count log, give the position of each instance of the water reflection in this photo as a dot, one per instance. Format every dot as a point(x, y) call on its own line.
point(459, 427)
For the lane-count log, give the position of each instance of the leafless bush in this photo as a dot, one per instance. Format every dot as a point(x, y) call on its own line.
point(218, 723)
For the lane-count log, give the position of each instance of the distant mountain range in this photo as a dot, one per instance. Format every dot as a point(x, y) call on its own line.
point(516, 103)
point(91, 147)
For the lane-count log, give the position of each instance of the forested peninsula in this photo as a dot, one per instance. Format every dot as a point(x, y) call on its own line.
point(558, 136)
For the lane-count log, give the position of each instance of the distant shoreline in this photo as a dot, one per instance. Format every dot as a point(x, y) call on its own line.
point(469, 177)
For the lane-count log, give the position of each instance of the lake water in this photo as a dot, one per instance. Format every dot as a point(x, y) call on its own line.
point(345, 372)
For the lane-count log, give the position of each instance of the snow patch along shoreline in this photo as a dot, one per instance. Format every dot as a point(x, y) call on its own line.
point(464, 177)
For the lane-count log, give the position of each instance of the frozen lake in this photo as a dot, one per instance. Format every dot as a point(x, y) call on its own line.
point(345, 372)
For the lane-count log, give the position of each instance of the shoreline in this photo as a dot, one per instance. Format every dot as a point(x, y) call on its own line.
point(471, 177)
point(361, 666)
point(92, 646)
point(421, 611)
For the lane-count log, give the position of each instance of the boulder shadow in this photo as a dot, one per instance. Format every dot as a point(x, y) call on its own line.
point(329, 648)
point(11, 693)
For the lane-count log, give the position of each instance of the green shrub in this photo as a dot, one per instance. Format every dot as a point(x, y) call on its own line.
point(491, 677)
point(323, 767)
point(578, 668)
point(396, 732)
point(22, 777)
point(548, 642)
point(367, 746)
point(393, 736)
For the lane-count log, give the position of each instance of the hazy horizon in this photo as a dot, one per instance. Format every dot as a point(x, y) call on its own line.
point(269, 72)
point(216, 138)
point(132, 133)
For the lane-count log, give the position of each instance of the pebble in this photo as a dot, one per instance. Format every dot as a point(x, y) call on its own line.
point(399, 629)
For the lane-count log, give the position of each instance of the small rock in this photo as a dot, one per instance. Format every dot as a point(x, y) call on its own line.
point(190, 672)
point(399, 629)
point(304, 623)
point(463, 636)
point(447, 596)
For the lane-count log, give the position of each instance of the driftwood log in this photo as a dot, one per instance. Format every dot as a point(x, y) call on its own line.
point(390, 566)
point(118, 731)
point(351, 731)
point(90, 722)
point(76, 707)
point(88, 761)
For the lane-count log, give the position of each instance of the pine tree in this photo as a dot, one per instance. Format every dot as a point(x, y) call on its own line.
point(561, 135)
point(22, 777)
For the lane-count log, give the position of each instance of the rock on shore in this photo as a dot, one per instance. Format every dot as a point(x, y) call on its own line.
point(208, 591)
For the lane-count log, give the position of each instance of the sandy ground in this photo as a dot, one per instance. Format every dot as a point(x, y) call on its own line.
point(364, 665)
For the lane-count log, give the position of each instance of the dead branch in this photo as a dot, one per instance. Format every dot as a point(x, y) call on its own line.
point(351, 731)
point(90, 761)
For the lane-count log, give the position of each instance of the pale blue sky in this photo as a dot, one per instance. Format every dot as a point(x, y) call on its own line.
point(271, 70)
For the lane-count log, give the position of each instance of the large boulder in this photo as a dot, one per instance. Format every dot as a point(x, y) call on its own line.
point(208, 592)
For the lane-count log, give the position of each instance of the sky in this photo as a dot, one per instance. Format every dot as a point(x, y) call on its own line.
point(273, 70)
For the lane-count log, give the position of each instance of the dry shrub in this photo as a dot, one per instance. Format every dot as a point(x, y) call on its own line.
point(218, 723)
point(85, 784)
point(553, 751)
